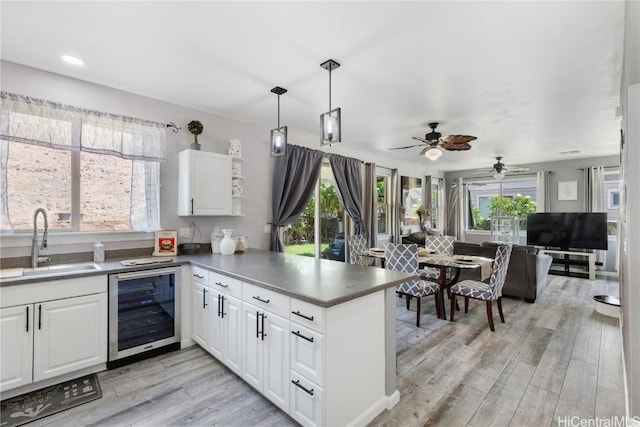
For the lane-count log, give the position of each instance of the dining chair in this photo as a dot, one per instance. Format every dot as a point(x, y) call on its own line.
point(404, 258)
point(441, 245)
point(487, 292)
point(357, 245)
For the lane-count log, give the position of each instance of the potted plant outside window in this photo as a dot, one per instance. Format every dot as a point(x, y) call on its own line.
point(195, 128)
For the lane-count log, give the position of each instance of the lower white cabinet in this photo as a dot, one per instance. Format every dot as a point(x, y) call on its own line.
point(307, 401)
point(265, 363)
point(16, 332)
point(69, 334)
point(216, 317)
point(321, 366)
point(225, 342)
point(47, 339)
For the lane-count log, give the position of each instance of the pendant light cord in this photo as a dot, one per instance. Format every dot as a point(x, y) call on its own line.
point(329, 89)
point(278, 111)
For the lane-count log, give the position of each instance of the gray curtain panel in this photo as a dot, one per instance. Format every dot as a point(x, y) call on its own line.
point(427, 202)
point(370, 204)
point(348, 175)
point(294, 178)
point(396, 194)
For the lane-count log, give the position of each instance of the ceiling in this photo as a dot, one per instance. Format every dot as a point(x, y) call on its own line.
point(529, 79)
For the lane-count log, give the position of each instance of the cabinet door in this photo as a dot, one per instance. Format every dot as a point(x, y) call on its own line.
point(16, 353)
point(70, 334)
point(199, 314)
point(233, 339)
point(252, 347)
point(307, 353)
point(205, 183)
point(276, 360)
point(307, 401)
point(216, 325)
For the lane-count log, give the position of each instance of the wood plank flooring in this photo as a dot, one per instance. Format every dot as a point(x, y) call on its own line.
point(553, 359)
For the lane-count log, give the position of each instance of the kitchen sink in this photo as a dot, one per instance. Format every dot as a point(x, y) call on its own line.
point(60, 269)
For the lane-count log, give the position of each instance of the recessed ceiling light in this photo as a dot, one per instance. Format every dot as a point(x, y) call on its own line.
point(73, 60)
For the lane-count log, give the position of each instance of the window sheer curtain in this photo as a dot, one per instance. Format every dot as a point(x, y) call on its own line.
point(594, 201)
point(50, 124)
point(455, 209)
point(348, 174)
point(294, 179)
point(542, 191)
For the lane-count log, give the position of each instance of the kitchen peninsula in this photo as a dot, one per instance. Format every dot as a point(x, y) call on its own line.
point(341, 323)
point(316, 337)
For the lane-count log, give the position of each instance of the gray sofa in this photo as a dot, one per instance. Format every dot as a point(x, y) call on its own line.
point(527, 273)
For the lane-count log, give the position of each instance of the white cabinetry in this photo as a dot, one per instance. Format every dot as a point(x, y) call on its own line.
point(225, 342)
point(16, 327)
point(204, 183)
point(51, 337)
point(69, 334)
point(216, 316)
point(265, 363)
point(307, 363)
point(200, 306)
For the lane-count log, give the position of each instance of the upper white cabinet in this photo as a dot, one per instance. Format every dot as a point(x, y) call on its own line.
point(204, 183)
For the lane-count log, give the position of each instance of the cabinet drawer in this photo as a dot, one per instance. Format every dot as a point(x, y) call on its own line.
point(306, 314)
point(225, 284)
point(307, 401)
point(307, 353)
point(266, 299)
point(200, 275)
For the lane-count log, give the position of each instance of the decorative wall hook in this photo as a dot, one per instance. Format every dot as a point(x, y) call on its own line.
point(174, 128)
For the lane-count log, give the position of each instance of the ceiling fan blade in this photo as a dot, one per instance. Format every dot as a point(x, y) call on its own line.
point(408, 146)
point(483, 172)
point(456, 147)
point(458, 139)
point(417, 138)
point(516, 169)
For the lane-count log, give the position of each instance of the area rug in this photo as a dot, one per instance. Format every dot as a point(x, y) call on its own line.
point(32, 406)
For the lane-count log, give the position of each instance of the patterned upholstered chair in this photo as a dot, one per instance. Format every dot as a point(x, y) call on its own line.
point(402, 257)
point(487, 292)
point(442, 245)
point(357, 245)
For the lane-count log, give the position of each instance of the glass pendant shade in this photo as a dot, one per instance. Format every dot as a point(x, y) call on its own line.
point(330, 125)
point(498, 175)
point(278, 138)
point(433, 153)
point(279, 141)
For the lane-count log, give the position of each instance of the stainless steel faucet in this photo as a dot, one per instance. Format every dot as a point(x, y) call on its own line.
point(35, 246)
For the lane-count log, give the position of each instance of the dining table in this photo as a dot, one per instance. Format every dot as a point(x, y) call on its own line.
point(444, 263)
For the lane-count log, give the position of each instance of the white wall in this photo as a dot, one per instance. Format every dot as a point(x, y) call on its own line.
point(215, 138)
point(630, 224)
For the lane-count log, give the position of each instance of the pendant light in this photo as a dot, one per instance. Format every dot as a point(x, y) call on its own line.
point(330, 122)
point(279, 134)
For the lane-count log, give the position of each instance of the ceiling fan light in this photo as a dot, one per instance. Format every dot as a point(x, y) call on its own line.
point(498, 175)
point(433, 154)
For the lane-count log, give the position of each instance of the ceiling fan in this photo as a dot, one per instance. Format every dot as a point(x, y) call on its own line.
point(434, 139)
point(499, 169)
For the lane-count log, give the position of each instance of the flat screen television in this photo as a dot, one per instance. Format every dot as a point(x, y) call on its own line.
point(568, 230)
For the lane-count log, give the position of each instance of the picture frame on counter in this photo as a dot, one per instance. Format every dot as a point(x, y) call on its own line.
point(166, 243)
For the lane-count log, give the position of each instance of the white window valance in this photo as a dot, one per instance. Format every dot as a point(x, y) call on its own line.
point(34, 121)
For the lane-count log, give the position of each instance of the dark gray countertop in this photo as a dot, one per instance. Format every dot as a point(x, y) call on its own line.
point(318, 281)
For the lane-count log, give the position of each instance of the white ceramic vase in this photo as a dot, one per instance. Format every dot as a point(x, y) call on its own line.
point(227, 244)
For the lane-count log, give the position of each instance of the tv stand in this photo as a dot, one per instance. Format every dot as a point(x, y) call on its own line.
point(590, 261)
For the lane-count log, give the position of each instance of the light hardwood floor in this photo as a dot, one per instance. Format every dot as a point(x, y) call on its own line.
point(553, 359)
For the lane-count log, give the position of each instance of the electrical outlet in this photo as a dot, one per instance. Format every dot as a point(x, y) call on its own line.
point(267, 229)
point(185, 232)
